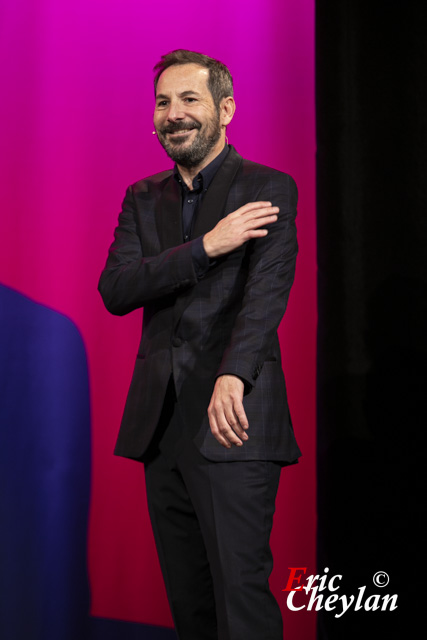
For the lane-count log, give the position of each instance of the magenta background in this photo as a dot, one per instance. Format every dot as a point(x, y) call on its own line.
point(75, 130)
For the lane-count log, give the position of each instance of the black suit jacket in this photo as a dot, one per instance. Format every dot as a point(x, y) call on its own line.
point(195, 330)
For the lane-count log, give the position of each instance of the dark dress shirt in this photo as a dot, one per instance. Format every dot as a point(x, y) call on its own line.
point(191, 203)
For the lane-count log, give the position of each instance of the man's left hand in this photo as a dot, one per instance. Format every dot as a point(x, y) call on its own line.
point(227, 417)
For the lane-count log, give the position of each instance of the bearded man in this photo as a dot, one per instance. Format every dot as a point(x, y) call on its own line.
point(208, 249)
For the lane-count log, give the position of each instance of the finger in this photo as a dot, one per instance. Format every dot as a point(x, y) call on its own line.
point(233, 420)
point(241, 415)
point(237, 432)
point(216, 433)
point(254, 233)
point(255, 223)
point(223, 415)
point(250, 206)
point(262, 211)
point(226, 430)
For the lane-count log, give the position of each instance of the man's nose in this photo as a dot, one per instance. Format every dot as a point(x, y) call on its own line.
point(175, 112)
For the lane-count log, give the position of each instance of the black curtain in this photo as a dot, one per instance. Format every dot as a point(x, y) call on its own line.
point(371, 77)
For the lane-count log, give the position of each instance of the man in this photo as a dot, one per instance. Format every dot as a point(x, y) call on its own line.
point(209, 251)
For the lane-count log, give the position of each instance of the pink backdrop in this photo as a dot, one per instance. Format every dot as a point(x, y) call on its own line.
point(75, 130)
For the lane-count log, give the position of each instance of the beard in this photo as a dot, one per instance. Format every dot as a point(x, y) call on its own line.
point(190, 155)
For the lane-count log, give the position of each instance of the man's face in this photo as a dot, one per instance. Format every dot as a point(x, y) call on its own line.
point(185, 117)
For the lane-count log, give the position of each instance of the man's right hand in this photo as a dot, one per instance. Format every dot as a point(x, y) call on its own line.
point(239, 227)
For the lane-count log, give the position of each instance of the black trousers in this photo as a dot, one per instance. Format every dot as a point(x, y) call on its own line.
point(212, 523)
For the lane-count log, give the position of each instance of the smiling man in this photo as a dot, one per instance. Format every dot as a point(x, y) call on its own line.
point(194, 138)
point(208, 249)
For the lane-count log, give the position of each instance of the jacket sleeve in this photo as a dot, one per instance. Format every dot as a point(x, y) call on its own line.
point(270, 277)
point(131, 280)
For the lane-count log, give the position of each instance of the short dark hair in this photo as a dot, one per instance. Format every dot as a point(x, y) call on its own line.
point(220, 82)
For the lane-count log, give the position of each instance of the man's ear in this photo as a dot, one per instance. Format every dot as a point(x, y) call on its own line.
point(227, 109)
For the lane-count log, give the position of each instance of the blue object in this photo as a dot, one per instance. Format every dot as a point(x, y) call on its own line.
point(44, 473)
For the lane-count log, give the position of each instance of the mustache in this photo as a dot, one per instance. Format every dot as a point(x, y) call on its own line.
point(173, 127)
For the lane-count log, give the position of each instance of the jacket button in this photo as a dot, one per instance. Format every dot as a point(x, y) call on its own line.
point(176, 342)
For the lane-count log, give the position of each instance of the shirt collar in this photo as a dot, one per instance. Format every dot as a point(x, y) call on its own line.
point(206, 175)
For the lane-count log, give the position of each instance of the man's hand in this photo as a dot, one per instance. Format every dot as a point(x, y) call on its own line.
point(227, 417)
point(239, 227)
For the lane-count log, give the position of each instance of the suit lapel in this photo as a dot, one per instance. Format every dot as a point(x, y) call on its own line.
point(169, 205)
point(212, 209)
point(210, 213)
point(169, 215)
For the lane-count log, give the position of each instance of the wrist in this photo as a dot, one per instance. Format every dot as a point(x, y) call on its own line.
point(207, 246)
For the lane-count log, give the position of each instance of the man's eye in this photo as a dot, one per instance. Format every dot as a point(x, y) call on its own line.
point(162, 103)
point(190, 99)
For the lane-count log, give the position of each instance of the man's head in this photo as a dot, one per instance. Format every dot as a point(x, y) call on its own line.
point(194, 105)
point(220, 82)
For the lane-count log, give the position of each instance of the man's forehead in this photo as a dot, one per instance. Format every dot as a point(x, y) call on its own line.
point(183, 77)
